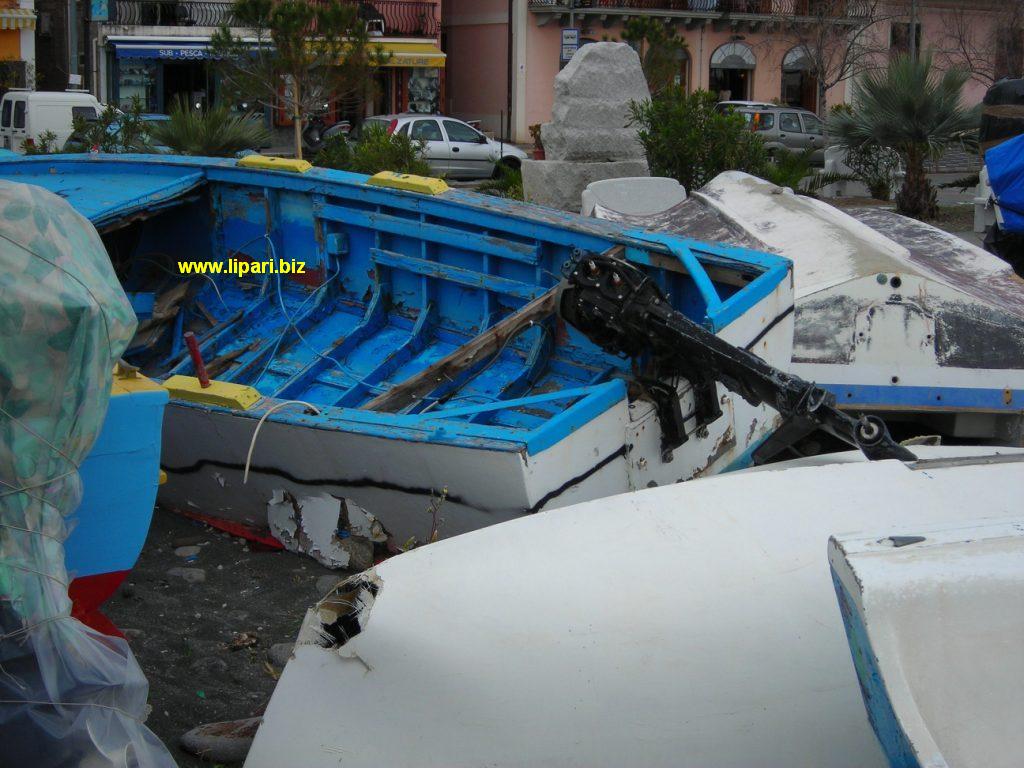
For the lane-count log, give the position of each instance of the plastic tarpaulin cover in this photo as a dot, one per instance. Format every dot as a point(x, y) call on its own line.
point(69, 696)
point(1005, 164)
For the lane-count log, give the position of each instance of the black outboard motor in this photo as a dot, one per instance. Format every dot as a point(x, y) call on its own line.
point(1002, 115)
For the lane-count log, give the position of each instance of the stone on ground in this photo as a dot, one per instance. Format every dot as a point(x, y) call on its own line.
point(326, 583)
point(560, 184)
point(227, 742)
point(279, 653)
point(190, 575)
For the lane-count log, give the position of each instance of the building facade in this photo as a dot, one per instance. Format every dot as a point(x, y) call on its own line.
point(504, 54)
point(159, 52)
point(17, 44)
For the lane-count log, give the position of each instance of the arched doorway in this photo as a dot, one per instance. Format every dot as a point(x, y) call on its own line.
point(799, 86)
point(732, 71)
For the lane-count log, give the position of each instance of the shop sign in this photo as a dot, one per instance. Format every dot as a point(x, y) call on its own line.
point(99, 10)
point(184, 53)
point(570, 43)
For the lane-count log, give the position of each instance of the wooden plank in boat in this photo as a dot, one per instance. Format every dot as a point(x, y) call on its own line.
point(487, 343)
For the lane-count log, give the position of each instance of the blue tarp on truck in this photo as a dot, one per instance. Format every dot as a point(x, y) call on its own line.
point(1005, 164)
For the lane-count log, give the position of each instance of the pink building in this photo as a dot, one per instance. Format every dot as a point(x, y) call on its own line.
point(503, 55)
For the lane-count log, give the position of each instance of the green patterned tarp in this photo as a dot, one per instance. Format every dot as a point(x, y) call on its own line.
point(69, 696)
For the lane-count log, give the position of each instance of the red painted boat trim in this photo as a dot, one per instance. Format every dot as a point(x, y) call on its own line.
point(248, 532)
point(88, 593)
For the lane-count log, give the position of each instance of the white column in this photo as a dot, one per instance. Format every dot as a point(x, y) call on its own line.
point(520, 14)
point(102, 63)
point(28, 47)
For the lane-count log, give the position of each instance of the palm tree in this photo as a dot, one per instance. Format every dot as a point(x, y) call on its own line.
point(214, 133)
point(915, 111)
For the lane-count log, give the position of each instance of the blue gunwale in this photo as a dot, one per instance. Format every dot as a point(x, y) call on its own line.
point(433, 427)
point(494, 228)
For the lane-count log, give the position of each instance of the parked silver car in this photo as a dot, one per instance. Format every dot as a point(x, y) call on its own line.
point(453, 148)
point(785, 128)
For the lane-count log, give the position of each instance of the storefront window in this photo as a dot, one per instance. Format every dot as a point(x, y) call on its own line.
point(424, 90)
point(137, 79)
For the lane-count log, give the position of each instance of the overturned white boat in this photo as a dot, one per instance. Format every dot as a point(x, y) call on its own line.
point(935, 620)
point(688, 625)
point(893, 316)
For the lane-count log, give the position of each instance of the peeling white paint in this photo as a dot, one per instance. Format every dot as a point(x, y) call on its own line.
point(333, 532)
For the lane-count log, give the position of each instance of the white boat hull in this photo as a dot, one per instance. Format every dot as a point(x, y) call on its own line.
point(935, 620)
point(692, 625)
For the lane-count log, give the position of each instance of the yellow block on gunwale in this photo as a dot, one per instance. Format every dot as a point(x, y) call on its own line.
point(223, 393)
point(265, 163)
point(424, 185)
point(127, 381)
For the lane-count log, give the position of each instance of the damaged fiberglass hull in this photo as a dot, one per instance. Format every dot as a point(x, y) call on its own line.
point(891, 315)
point(418, 357)
point(693, 625)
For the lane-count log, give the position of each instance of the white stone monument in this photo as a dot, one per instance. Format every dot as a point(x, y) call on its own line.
point(589, 137)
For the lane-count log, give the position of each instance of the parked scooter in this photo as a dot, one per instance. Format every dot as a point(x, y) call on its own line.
point(317, 131)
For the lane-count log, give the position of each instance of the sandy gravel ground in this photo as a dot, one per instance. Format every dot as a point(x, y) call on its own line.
point(182, 632)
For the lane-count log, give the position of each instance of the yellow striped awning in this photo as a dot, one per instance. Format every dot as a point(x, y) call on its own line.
point(412, 54)
point(17, 18)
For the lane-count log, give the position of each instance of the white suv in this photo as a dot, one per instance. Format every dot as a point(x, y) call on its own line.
point(453, 148)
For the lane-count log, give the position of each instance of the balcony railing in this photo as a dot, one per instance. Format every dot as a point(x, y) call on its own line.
point(799, 8)
point(400, 18)
point(160, 13)
point(388, 18)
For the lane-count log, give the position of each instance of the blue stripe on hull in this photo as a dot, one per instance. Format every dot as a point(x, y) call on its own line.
point(930, 398)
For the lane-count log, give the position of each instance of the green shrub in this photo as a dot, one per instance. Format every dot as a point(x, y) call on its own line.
point(44, 144)
point(375, 151)
point(217, 132)
point(659, 49)
point(113, 131)
point(507, 182)
point(686, 138)
point(795, 170)
point(789, 169)
point(876, 166)
point(335, 153)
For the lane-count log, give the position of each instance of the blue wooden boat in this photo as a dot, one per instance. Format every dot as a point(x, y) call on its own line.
point(120, 477)
point(413, 381)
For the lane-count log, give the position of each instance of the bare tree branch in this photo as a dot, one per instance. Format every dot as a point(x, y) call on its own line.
point(836, 39)
point(988, 52)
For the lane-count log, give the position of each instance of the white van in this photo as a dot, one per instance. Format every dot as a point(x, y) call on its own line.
point(24, 115)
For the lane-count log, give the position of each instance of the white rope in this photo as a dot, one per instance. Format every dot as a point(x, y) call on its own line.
point(259, 426)
point(11, 564)
point(29, 627)
point(40, 484)
point(129, 715)
point(31, 530)
point(39, 437)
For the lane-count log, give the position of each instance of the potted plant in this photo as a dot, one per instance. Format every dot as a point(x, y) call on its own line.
point(538, 144)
